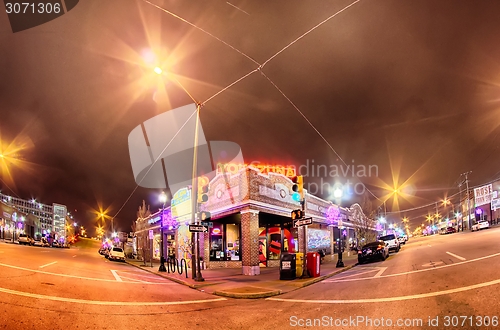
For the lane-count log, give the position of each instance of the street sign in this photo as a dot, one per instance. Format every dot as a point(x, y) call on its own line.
point(151, 234)
point(197, 228)
point(302, 222)
point(208, 224)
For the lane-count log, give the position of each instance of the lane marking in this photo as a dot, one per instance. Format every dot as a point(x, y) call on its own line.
point(419, 270)
point(109, 303)
point(75, 276)
point(48, 264)
point(429, 245)
point(382, 269)
point(340, 278)
point(153, 277)
point(454, 255)
point(390, 299)
point(116, 275)
point(133, 279)
point(74, 256)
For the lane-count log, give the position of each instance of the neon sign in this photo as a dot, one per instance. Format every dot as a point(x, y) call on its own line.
point(233, 168)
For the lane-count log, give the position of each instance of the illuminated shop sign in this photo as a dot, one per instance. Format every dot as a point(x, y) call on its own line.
point(233, 168)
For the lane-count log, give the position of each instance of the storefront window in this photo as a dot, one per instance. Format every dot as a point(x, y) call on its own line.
point(225, 242)
point(170, 246)
point(216, 242)
point(156, 247)
point(233, 241)
point(318, 239)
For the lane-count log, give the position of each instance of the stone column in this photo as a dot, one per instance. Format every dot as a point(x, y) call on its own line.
point(250, 242)
point(206, 248)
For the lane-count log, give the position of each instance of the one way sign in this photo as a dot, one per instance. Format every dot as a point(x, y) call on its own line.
point(197, 228)
point(302, 222)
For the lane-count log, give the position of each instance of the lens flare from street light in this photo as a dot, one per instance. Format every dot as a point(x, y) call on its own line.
point(338, 193)
point(158, 70)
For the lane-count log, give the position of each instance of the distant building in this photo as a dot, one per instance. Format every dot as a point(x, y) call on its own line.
point(51, 218)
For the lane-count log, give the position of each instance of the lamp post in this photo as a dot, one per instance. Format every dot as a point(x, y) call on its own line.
point(338, 196)
point(163, 200)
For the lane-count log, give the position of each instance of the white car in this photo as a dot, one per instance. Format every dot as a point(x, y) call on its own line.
point(116, 253)
point(25, 239)
point(480, 225)
point(393, 242)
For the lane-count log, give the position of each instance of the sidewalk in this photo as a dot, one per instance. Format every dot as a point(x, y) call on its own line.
point(230, 282)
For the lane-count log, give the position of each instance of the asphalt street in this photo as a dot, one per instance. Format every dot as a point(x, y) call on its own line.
point(436, 282)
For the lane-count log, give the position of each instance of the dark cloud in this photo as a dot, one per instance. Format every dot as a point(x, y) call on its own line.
point(412, 84)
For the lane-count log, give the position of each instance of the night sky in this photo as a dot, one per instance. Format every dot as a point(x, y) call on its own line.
point(412, 87)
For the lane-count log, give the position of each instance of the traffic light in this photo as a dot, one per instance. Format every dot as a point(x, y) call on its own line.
point(205, 216)
point(202, 193)
point(298, 188)
point(297, 214)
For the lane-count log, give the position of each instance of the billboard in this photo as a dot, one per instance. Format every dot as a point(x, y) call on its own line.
point(482, 195)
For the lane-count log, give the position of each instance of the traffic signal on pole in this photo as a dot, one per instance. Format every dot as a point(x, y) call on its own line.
point(297, 214)
point(205, 216)
point(298, 188)
point(202, 193)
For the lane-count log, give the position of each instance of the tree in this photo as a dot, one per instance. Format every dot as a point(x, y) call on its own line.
point(367, 206)
point(364, 226)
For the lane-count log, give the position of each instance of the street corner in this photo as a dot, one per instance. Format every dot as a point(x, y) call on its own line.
point(247, 292)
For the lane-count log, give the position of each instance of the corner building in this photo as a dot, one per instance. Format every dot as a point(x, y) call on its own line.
point(250, 224)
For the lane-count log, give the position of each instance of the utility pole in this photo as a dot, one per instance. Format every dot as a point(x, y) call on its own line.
point(196, 265)
point(469, 220)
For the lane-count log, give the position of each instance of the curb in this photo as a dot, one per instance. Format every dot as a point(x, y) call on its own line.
point(237, 295)
point(257, 295)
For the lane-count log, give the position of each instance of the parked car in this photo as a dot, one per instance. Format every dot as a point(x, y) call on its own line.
point(393, 242)
point(116, 253)
point(450, 230)
point(378, 250)
point(483, 224)
point(25, 239)
point(44, 242)
point(106, 251)
point(403, 239)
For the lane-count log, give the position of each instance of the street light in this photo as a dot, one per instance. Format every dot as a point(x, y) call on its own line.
point(163, 200)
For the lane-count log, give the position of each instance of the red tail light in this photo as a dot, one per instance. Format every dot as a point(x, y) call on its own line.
point(380, 247)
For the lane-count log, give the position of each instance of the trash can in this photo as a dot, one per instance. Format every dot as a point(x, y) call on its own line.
point(313, 261)
point(287, 266)
point(299, 261)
